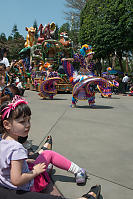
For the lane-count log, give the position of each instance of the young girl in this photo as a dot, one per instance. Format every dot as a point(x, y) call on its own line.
point(16, 171)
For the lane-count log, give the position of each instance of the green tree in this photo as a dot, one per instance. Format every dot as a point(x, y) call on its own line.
point(14, 43)
point(15, 34)
point(3, 37)
point(14, 30)
point(10, 38)
point(65, 28)
point(108, 25)
point(35, 26)
point(14, 46)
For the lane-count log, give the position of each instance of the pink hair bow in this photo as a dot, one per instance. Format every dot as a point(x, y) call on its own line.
point(11, 106)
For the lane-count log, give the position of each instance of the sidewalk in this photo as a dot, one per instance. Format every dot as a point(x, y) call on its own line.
point(99, 140)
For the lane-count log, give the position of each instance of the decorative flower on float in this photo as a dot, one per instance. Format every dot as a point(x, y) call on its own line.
point(43, 66)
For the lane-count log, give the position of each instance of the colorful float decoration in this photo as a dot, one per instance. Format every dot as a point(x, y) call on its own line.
point(67, 44)
point(30, 39)
point(46, 32)
point(39, 52)
point(64, 40)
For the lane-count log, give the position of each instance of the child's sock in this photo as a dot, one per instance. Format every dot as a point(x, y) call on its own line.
point(74, 168)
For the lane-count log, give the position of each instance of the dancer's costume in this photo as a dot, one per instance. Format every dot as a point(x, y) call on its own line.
point(79, 58)
point(47, 87)
point(107, 92)
point(131, 91)
point(83, 85)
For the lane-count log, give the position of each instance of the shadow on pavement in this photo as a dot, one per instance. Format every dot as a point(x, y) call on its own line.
point(59, 99)
point(115, 97)
point(95, 107)
point(63, 178)
point(109, 98)
point(53, 99)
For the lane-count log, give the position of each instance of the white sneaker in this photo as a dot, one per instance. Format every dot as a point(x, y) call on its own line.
point(81, 176)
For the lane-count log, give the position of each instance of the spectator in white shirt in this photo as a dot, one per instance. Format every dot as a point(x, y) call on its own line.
point(19, 85)
point(125, 81)
point(3, 58)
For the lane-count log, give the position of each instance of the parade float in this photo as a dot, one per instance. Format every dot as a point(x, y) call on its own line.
point(37, 53)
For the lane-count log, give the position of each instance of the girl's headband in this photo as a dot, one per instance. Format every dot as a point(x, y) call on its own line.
point(11, 106)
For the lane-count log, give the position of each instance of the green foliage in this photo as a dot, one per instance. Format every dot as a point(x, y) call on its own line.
point(65, 28)
point(15, 46)
point(14, 30)
point(108, 26)
point(35, 26)
point(14, 43)
point(3, 37)
point(15, 34)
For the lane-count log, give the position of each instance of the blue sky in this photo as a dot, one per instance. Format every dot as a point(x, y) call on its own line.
point(24, 12)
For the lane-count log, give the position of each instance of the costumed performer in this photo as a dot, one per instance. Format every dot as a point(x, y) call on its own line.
point(107, 91)
point(85, 58)
point(83, 81)
point(47, 87)
point(86, 70)
point(131, 91)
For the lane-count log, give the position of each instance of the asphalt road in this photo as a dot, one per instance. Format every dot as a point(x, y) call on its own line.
point(99, 140)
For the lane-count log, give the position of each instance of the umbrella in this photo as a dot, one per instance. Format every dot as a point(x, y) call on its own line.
point(114, 72)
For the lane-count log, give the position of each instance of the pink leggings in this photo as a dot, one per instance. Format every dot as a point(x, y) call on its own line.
point(48, 156)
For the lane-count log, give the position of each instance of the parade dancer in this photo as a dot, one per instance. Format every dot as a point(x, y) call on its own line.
point(84, 80)
point(47, 87)
point(107, 91)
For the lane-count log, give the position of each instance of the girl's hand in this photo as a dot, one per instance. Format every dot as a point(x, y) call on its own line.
point(39, 168)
